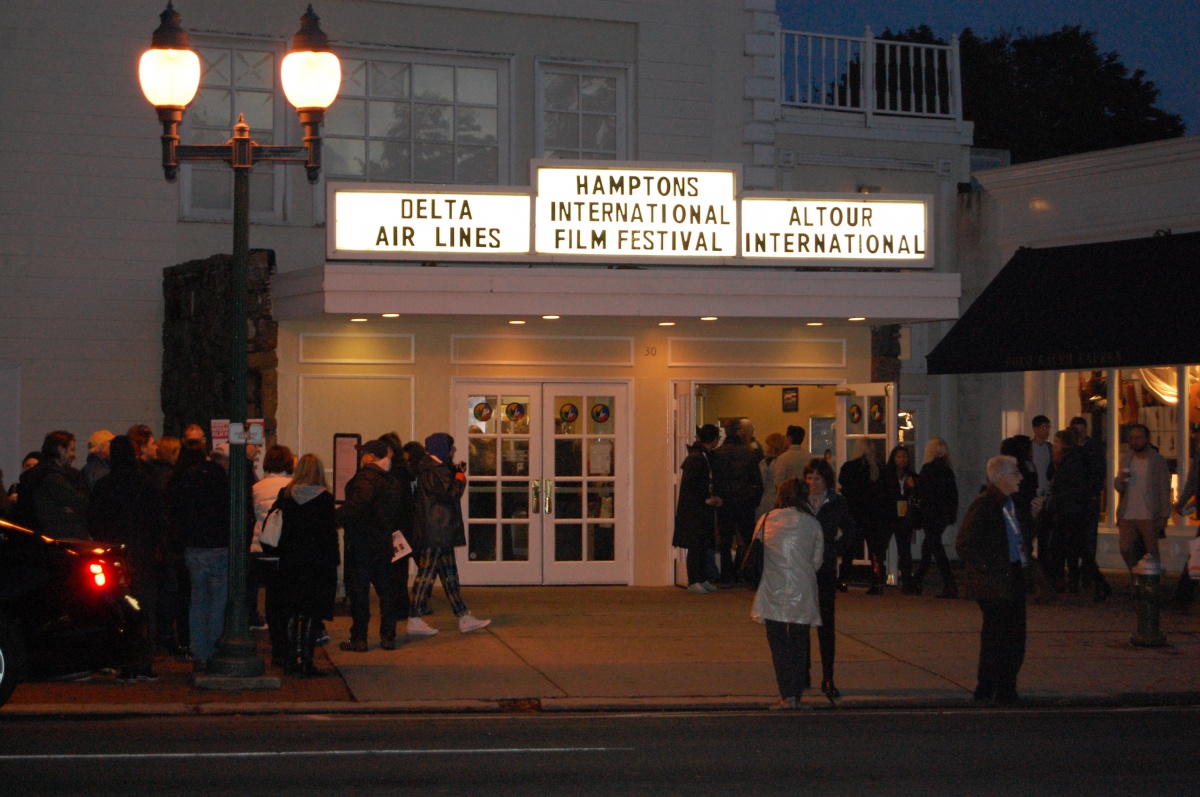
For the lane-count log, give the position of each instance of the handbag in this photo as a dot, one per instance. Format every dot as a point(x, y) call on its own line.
point(751, 569)
point(272, 527)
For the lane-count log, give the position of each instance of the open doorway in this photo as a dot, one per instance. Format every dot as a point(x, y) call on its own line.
point(773, 408)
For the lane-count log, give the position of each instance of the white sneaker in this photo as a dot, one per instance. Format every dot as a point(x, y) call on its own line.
point(469, 622)
point(709, 586)
point(697, 589)
point(418, 627)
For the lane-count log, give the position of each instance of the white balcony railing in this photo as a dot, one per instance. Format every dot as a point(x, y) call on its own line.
point(870, 76)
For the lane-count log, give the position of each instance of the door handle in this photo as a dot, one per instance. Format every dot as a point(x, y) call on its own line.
point(535, 487)
point(549, 492)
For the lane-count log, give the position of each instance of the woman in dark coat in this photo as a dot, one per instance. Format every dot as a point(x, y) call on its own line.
point(859, 480)
point(833, 513)
point(438, 528)
point(1067, 513)
point(308, 560)
point(898, 483)
point(696, 511)
point(937, 493)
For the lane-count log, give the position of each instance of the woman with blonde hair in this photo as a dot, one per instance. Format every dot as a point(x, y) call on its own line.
point(937, 495)
point(308, 560)
point(774, 445)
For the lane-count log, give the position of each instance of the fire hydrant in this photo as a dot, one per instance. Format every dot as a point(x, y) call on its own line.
point(1151, 597)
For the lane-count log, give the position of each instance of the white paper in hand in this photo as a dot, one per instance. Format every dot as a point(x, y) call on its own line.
point(400, 546)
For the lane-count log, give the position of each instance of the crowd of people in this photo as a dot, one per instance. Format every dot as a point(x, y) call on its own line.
point(167, 501)
point(1032, 531)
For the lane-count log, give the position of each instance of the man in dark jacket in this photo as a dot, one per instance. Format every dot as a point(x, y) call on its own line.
point(740, 486)
point(126, 507)
point(369, 515)
point(991, 547)
point(50, 498)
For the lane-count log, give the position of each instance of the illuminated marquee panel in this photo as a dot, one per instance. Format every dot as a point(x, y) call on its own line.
point(412, 220)
point(834, 229)
point(630, 212)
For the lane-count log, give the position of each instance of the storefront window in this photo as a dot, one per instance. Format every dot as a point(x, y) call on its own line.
point(403, 121)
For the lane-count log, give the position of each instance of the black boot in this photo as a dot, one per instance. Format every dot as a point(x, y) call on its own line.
point(310, 629)
point(291, 660)
point(878, 576)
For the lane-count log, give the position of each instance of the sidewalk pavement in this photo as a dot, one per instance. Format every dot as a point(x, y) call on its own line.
point(663, 649)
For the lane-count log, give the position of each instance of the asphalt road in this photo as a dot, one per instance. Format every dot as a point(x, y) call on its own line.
point(958, 752)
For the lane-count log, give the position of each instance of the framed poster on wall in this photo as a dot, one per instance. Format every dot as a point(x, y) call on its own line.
point(791, 399)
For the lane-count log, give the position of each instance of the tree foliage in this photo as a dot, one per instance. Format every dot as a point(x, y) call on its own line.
point(1045, 95)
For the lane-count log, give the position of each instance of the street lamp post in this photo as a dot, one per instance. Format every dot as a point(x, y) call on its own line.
point(170, 76)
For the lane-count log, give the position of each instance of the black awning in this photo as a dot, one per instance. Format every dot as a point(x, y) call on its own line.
point(1075, 308)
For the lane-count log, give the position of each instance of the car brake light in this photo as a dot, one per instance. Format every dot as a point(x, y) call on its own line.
point(98, 575)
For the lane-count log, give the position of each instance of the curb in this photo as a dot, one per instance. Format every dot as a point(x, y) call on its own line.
point(586, 705)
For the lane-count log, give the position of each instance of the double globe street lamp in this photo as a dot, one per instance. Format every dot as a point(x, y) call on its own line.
point(170, 75)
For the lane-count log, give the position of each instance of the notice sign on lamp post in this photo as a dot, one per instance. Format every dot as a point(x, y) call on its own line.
point(648, 212)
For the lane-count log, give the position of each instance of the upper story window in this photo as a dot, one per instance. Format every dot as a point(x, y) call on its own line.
point(582, 112)
point(425, 120)
point(234, 80)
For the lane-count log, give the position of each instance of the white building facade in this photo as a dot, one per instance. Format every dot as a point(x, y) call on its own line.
point(571, 379)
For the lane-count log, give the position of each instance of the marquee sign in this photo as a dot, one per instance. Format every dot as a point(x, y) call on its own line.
point(415, 220)
point(652, 213)
point(628, 212)
point(831, 228)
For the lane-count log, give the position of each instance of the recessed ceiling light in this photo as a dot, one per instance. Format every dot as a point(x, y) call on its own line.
point(551, 317)
point(708, 318)
point(816, 323)
point(358, 320)
point(391, 315)
point(516, 323)
point(666, 323)
point(857, 318)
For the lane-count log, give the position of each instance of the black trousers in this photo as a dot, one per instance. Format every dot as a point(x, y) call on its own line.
point(827, 588)
point(789, 653)
point(932, 549)
point(1002, 642)
point(367, 566)
point(735, 519)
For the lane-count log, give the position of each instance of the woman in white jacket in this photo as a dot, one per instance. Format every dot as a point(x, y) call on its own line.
point(786, 601)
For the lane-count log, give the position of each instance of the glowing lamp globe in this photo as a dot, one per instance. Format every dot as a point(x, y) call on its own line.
point(311, 79)
point(169, 77)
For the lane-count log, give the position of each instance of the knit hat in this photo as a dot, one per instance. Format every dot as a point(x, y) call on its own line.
point(376, 448)
point(438, 444)
point(98, 439)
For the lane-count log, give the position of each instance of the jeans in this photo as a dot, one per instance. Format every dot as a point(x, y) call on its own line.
point(209, 571)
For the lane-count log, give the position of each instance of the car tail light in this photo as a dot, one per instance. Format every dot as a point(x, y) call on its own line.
point(99, 574)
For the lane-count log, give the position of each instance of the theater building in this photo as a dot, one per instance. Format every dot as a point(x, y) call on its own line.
point(565, 234)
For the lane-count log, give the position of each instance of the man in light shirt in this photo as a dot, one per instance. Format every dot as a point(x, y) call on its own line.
point(1144, 484)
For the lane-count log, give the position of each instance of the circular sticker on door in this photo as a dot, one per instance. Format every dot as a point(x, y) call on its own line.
point(483, 412)
point(600, 413)
point(855, 413)
point(876, 412)
point(515, 411)
point(568, 412)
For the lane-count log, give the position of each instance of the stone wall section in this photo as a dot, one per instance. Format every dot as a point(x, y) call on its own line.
point(196, 343)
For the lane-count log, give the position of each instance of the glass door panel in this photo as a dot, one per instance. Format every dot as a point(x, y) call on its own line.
point(591, 509)
point(547, 496)
point(502, 493)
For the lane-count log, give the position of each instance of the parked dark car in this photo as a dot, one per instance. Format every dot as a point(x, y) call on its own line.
point(65, 608)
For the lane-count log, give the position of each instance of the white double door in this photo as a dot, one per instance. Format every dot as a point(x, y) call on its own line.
point(548, 496)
